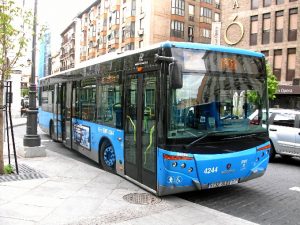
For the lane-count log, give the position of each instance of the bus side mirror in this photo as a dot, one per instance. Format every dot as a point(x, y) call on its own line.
point(175, 72)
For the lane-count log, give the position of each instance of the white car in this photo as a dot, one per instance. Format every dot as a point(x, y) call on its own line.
point(284, 133)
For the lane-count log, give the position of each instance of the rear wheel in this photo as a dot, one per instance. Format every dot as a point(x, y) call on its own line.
point(51, 129)
point(108, 157)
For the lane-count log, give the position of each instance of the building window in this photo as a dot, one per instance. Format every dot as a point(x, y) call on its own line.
point(266, 28)
point(254, 4)
point(178, 7)
point(279, 26)
point(292, 33)
point(278, 2)
point(217, 4)
point(191, 34)
point(191, 12)
point(207, 1)
point(142, 8)
point(205, 15)
point(177, 29)
point(133, 7)
point(253, 30)
point(141, 23)
point(291, 64)
point(141, 44)
point(267, 3)
point(205, 33)
point(132, 29)
point(129, 46)
point(124, 10)
point(277, 63)
point(217, 17)
point(123, 34)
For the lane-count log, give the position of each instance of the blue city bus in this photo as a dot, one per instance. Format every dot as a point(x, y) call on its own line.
point(170, 118)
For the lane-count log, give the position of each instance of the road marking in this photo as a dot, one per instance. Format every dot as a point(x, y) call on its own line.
point(295, 189)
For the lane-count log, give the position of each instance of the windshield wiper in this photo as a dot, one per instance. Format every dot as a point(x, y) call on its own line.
point(213, 133)
point(201, 138)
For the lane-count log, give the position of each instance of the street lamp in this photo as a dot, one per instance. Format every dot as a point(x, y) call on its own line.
point(31, 138)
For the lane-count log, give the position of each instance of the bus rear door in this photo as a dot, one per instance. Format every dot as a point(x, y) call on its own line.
point(59, 109)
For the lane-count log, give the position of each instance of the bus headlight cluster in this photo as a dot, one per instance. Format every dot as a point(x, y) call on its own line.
point(174, 164)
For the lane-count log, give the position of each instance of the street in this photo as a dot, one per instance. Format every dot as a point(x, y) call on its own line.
point(271, 199)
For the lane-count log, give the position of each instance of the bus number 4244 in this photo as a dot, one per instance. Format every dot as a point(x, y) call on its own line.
point(211, 170)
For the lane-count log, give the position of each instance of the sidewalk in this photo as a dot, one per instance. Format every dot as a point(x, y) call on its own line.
point(70, 189)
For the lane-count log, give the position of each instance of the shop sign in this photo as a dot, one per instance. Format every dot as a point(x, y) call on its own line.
point(288, 89)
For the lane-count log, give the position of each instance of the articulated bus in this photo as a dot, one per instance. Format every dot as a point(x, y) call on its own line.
point(170, 118)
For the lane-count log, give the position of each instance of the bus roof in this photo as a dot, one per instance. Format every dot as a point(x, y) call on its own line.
point(167, 44)
point(217, 48)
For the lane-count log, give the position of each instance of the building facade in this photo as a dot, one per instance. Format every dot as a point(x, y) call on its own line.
point(121, 25)
point(270, 27)
point(70, 46)
point(44, 55)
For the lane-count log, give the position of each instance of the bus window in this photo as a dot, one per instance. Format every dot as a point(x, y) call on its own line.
point(87, 99)
point(109, 108)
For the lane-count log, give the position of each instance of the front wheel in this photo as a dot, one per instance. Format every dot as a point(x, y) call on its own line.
point(108, 157)
point(272, 153)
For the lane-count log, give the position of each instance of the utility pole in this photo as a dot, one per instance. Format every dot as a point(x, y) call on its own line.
point(32, 141)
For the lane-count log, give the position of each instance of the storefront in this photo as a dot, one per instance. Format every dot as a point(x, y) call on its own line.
point(287, 97)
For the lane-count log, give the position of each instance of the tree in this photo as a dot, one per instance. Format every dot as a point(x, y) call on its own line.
point(272, 87)
point(13, 42)
point(272, 82)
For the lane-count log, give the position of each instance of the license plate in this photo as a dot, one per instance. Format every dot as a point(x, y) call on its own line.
point(223, 183)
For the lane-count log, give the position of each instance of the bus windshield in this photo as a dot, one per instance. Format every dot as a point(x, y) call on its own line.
point(220, 92)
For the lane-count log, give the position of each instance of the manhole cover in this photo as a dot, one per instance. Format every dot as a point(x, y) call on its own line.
point(142, 199)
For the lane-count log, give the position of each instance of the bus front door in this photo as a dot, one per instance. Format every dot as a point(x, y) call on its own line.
point(140, 128)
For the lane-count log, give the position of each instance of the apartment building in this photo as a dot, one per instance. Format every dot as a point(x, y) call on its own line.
point(121, 25)
point(270, 27)
point(70, 46)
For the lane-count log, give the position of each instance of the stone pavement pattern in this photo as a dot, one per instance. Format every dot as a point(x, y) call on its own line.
point(76, 192)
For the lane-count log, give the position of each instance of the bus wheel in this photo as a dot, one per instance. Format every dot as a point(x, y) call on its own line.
point(108, 157)
point(51, 129)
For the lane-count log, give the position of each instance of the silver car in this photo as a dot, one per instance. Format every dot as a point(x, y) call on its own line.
point(284, 132)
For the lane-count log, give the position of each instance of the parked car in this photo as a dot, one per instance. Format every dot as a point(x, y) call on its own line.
point(284, 132)
point(254, 116)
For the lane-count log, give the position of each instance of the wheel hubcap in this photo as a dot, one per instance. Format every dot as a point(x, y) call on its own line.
point(109, 156)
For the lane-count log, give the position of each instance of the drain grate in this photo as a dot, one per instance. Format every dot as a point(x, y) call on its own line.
point(142, 198)
point(25, 173)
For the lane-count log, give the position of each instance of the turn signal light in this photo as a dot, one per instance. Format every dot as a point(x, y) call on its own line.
point(173, 157)
point(264, 147)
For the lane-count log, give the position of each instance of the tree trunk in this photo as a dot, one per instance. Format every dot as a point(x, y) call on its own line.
point(1, 130)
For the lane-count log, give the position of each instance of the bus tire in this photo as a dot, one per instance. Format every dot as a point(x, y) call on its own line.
point(51, 130)
point(272, 153)
point(108, 156)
